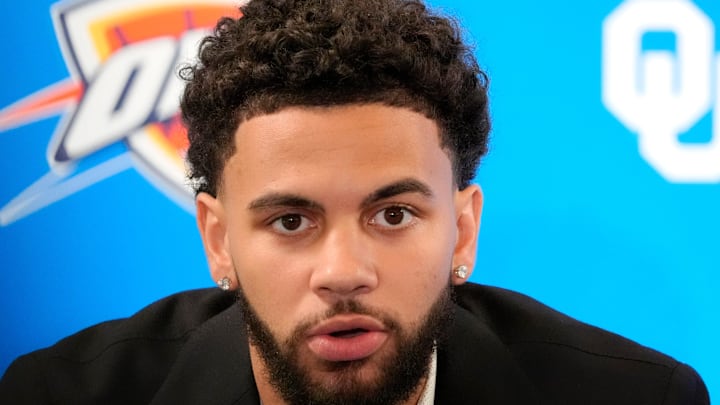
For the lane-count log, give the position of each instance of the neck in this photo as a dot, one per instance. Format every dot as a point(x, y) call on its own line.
point(270, 396)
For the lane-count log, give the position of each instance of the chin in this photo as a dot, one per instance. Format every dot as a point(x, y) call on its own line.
point(344, 375)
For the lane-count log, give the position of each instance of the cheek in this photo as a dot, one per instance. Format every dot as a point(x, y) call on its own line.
point(273, 281)
point(415, 272)
point(433, 251)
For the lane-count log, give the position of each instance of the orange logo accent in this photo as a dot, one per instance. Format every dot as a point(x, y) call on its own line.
point(123, 56)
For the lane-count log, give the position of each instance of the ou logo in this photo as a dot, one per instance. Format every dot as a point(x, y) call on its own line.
point(661, 94)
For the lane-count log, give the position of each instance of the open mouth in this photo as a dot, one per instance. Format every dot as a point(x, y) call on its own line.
point(349, 333)
point(347, 338)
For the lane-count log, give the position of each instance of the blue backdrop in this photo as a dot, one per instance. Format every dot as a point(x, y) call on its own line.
point(602, 186)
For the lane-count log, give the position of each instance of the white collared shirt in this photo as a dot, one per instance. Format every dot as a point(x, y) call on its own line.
point(428, 395)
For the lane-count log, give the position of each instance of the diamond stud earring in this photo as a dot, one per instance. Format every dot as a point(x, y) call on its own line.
point(224, 283)
point(461, 271)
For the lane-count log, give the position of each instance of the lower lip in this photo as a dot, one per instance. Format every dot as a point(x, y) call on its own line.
point(331, 348)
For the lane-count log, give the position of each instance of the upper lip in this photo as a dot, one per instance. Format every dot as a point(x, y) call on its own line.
point(340, 323)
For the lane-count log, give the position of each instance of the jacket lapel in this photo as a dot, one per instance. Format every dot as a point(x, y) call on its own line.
point(214, 366)
point(475, 367)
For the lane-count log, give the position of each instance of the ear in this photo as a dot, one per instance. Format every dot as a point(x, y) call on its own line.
point(211, 221)
point(468, 209)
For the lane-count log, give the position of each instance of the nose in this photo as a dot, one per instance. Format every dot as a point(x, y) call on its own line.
point(344, 267)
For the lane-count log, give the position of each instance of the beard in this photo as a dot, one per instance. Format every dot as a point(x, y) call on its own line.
point(399, 372)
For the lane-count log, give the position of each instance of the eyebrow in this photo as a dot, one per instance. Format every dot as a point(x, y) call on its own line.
point(275, 200)
point(403, 186)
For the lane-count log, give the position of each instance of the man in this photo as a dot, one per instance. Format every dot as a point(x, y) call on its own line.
point(332, 148)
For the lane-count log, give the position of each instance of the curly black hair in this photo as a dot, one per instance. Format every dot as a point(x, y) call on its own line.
point(284, 53)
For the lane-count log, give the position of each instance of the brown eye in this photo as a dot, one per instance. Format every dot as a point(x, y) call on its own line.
point(291, 223)
point(394, 215)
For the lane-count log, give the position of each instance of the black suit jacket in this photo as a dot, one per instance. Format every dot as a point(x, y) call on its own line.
point(503, 348)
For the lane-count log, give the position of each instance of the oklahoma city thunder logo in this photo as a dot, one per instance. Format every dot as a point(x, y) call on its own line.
point(120, 106)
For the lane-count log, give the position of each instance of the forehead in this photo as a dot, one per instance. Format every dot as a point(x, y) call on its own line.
point(322, 148)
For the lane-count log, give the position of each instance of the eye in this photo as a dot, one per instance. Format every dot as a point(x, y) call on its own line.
point(393, 217)
point(291, 224)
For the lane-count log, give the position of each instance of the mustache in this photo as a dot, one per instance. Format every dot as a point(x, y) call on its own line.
point(344, 307)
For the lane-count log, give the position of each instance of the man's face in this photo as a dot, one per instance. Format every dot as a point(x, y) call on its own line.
point(341, 225)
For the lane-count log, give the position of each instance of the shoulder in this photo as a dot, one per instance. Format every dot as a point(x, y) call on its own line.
point(568, 358)
point(169, 319)
point(519, 320)
point(105, 359)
